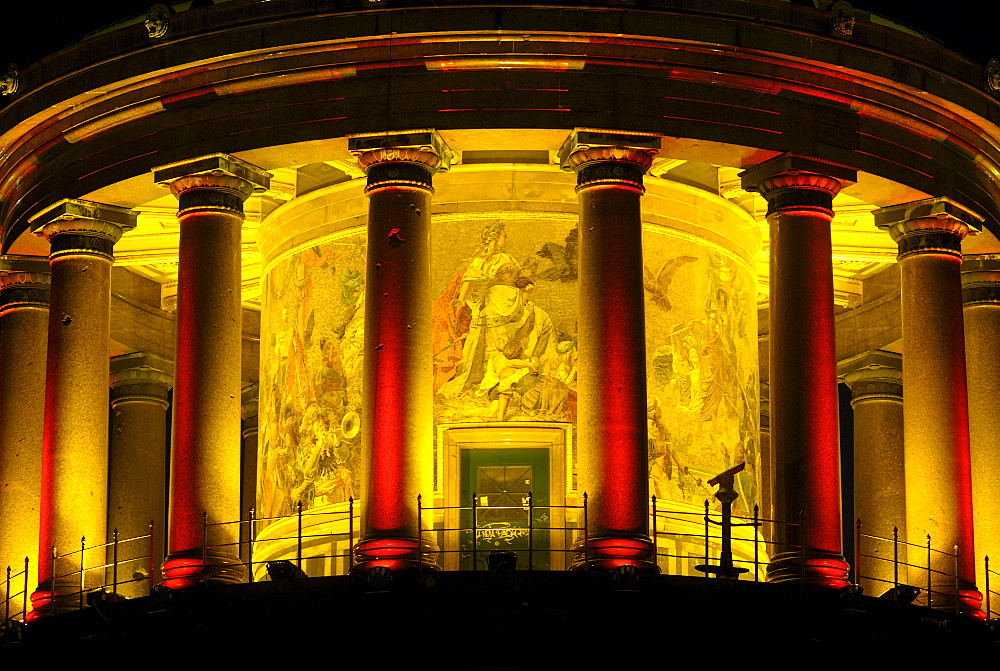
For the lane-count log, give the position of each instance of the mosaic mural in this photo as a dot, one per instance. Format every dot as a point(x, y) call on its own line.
point(312, 335)
point(701, 347)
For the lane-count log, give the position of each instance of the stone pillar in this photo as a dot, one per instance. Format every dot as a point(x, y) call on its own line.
point(205, 450)
point(613, 449)
point(936, 416)
point(138, 465)
point(248, 463)
point(981, 300)
point(766, 464)
point(876, 382)
point(74, 487)
point(24, 319)
point(397, 383)
point(803, 367)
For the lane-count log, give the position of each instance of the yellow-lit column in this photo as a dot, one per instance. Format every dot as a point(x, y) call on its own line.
point(205, 449)
point(24, 319)
point(929, 234)
point(397, 421)
point(805, 433)
point(876, 382)
point(138, 466)
point(981, 298)
point(74, 485)
point(613, 447)
point(248, 462)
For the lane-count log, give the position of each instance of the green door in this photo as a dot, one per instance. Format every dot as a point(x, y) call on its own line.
point(501, 480)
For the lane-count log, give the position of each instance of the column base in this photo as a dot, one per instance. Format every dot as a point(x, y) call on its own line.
point(607, 553)
point(970, 600)
point(395, 554)
point(822, 569)
point(184, 570)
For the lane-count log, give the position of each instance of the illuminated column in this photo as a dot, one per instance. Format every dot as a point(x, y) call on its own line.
point(803, 367)
point(397, 386)
point(766, 463)
point(876, 382)
point(138, 469)
point(74, 488)
point(248, 462)
point(205, 450)
point(614, 469)
point(24, 319)
point(981, 297)
point(935, 416)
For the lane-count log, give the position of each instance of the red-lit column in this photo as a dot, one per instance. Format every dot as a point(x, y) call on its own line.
point(981, 299)
point(24, 319)
point(613, 449)
point(936, 412)
point(137, 472)
point(397, 388)
point(876, 382)
point(205, 449)
point(805, 436)
point(74, 483)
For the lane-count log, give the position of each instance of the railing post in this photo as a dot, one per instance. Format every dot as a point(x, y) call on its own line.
point(586, 535)
point(350, 533)
point(420, 534)
point(756, 543)
point(531, 517)
point(656, 546)
point(958, 602)
point(475, 533)
point(895, 561)
point(152, 552)
point(204, 543)
point(989, 611)
point(55, 555)
point(24, 594)
point(6, 600)
point(857, 553)
point(298, 537)
point(929, 595)
point(802, 545)
point(83, 585)
point(251, 524)
point(114, 562)
point(706, 536)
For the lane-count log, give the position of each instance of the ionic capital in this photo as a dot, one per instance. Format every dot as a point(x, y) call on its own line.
point(401, 158)
point(24, 282)
point(213, 183)
point(981, 280)
point(608, 157)
point(140, 377)
point(791, 182)
point(932, 226)
point(82, 227)
point(874, 375)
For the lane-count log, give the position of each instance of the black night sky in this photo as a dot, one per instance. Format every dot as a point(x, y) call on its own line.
point(30, 30)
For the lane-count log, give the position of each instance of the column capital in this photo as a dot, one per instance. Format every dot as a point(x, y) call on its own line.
point(795, 182)
point(406, 158)
point(250, 403)
point(24, 282)
point(82, 227)
point(981, 279)
point(140, 377)
point(212, 183)
point(876, 374)
point(765, 406)
point(608, 157)
point(931, 226)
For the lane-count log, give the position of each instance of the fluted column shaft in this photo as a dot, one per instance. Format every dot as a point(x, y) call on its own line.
point(24, 318)
point(138, 465)
point(803, 367)
point(613, 447)
point(205, 449)
point(398, 377)
point(981, 300)
point(876, 383)
point(935, 416)
point(75, 445)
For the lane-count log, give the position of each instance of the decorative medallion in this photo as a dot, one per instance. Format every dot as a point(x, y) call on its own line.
point(993, 77)
point(157, 21)
point(842, 19)
point(9, 81)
